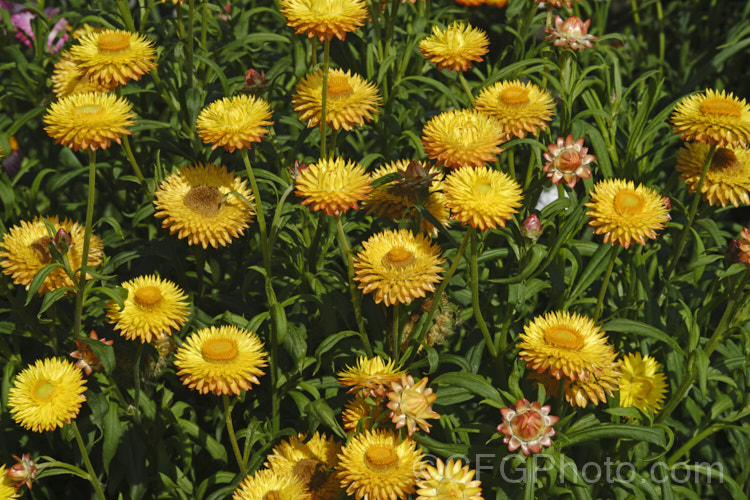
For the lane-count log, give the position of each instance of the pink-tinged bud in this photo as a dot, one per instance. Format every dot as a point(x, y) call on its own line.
point(297, 169)
point(528, 426)
point(571, 33)
point(23, 472)
point(62, 241)
point(532, 227)
point(255, 83)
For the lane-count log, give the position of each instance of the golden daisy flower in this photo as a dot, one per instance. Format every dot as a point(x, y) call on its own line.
point(267, 484)
point(521, 108)
point(234, 123)
point(114, 57)
point(715, 118)
point(359, 410)
point(153, 307)
point(372, 376)
point(597, 388)
point(333, 185)
point(451, 480)
point(223, 360)
point(374, 465)
point(482, 197)
point(312, 463)
point(8, 488)
point(728, 176)
point(397, 266)
point(465, 137)
point(640, 384)
point(625, 213)
point(67, 79)
point(324, 18)
point(201, 203)
point(89, 121)
point(411, 404)
point(455, 47)
point(350, 99)
point(47, 395)
point(391, 201)
point(565, 344)
point(743, 246)
point(26, 252)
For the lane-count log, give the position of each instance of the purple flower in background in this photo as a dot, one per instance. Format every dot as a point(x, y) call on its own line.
point(22, 18)
point(12, 162)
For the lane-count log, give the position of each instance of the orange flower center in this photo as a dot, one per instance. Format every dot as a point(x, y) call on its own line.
point(114, 42)
point(43, 391)
point(482, 188)
point(41, 248)
point(89, 109)
point(398, 258)
point(221, 350)
point(563, 336)
point(272, 495)
point(628, 202)
point(206, 200)
point(338, 86)
point(514, 96)
point(380, 458)
point(148, 296)
point(527, 425)
point(720, 106)
point(311, 472)
point(725, 160)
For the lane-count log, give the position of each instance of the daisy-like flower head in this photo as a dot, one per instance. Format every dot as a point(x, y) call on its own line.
point(67, 79)
point(268, 484)
point(223, 360)
point(371, 376)
point(23, 472)
point(411, 404)
point(26, 251)
point(715, 118)
point(451, 480)
point(200, 203)
point(350, 100)
point(311, 462)
point(482, 197)
point(728, 176)
point(640, 385)
point(153, 307)
point(359, 410)
point(8, 488)
point(324, 18)
point(234, 123)
point(397, 266)
point(333, 185)
point(455, 47)
point(392, 201)
point(374, 465)
point(465, 137)
point(114, 57)
point(47, 395)
point(565, 344)
point(521, 108)
point(528, 426)
point(89, 121)
point(567, 160)
point(624, 213)
point(597, 388)
point(88, 361)
point(571, 34)
point(743, 247)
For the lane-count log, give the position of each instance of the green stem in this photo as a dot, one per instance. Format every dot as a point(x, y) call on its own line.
point(605, 281)
point(473, 255)
point(204, 33)
point(93, 478)
point(334, 134)
point(324, 99)
point(190, 37)
point(81, 295)
point(692, 442)
point(259, 211)
point(127, 17)
point(396, 334)
point(530, 486)
point(511, 163)
point(134, 164)
point(465, 86)
point(232, 437)
point(137, 382)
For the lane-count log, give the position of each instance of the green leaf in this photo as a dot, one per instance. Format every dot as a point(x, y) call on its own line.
point(642, 329)
point(701, 364)
point(653, 435)
point(474, 383)
point(104, 352)
point(112, 430)
point(278, 316)
point(320, 410)
point(38, 279)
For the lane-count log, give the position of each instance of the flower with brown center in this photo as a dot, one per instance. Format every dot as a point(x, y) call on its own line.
point(324, 18)
point(455, 47)
point(715, 118)
point(464, 137)
point(411, 404)
point(571, 34)
point(311, 462)
point(333, 185)
point(521, 108)
point(568, 160)
point(528, 426)
point(728, 176)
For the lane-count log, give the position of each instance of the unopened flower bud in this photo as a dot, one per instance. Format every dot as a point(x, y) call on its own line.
point(23, 471)
point(297, 169)
point(532, 227)
point(62, 241)
point(255, 83)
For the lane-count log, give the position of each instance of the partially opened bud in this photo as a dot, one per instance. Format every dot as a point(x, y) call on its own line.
point(532, 227)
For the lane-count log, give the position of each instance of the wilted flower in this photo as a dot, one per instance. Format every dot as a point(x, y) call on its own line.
point(528, 426)
point(532, 227)
point(571, 33)
point(567, 160)
point(88, 361)
point(23, 471)
point(410, 404)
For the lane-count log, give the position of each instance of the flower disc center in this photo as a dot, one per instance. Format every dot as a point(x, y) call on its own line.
point(41, 248)
point(148, 296)
point(398, 257)
point(311, 472)
point(563, 336)
point(725, 160)
point(482, 188)
point(514, 96)
point(338, 86)
point(220, 350)
point(380, 458)
point(43, 391)
point(206, 200)
point(114, 42)
point(722, 107)
point(628, 202)
point(89, 109)
point(272, 495)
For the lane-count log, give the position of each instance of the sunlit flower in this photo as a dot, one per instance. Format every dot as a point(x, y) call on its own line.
point(728, 176)
point(521, 108)
point(88, 361)
point(448, 481)
point(371, 376)
point(114, 57)
point(715, 118)
point(624, 213)
point(568, 161)
point(411, 404)
point(455, 47)
point(528, 426)
point(333, 185)
point(360, 410)
point(23, 472)
point(597, 388)
point(465, 137)
point(571, 33)
point(640, 385)
point(267, 484)
point(234, 123)
point(397, 266)
point(325, 18)
point(67, 79)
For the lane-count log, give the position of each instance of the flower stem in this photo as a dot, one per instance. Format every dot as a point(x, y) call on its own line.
point(189, 53)
point(396, 334)
point(528, 491)
point(80, 296)
point(134, 164)
point(232, 437)
point(324, 99)
point(137, 382)
point(511, 163)
point(93, 478)
point(473, 254)
point(465, 85)
point(605, 282)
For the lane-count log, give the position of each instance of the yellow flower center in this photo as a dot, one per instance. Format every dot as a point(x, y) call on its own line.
point(450, 489)
point(720, 106)
point(206, 200)
point(380, 458)
point(43, 390)
point(221, 350)
point(41, 247)
point(338, 86)
point(398, 258)
point(514, 96)
point(89, 110)
point(563, 336)
point(628, 202)
point(725, 160)
point(114, 42)
point(311, 472)
point(641, 387)
point(272, 495)
point(454, 39)
point(482, 188)
point(148, 296)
